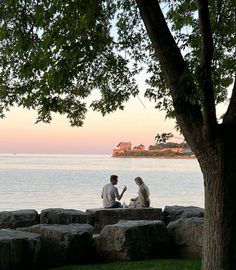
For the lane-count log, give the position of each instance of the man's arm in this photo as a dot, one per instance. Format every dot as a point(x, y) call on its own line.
point(119, 196)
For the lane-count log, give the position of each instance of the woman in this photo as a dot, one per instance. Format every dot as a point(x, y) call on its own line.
point(143, 194)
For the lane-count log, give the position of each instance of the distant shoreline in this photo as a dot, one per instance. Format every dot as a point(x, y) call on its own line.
point(166, 157)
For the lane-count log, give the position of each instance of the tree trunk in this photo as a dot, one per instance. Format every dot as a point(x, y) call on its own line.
point(218, 165)
point(214, 144)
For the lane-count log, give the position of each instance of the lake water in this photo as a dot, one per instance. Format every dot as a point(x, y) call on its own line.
point(75, 181)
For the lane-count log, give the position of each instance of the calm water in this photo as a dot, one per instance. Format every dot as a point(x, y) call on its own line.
point(75, 181)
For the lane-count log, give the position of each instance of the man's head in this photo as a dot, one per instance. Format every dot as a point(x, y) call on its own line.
point(114, 179)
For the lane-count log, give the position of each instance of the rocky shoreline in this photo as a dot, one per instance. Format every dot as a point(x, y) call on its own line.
point(30, 240)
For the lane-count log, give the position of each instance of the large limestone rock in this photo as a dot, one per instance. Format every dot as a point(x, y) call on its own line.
point(19, 218)
point(101, 217)
point(63, 244)
point(18, 250)
point(62, 216)
point(172, 213)
point(132, 240)
point(186, 237)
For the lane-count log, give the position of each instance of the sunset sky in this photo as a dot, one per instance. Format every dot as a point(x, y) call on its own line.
point(138, 123)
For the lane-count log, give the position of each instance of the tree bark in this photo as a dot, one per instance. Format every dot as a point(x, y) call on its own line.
point(204, 69)
point(218, 165)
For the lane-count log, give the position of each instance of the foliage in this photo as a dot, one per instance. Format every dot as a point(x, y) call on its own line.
point(140, 265)
point(54, 54)
point(153, 153)
point(60, 56)
point(168, 145)
point(183, 20)
point(163, 138)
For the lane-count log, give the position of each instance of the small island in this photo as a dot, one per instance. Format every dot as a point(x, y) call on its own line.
point(159, 150)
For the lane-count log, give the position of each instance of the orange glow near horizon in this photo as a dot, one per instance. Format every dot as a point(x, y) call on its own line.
point(99, 135)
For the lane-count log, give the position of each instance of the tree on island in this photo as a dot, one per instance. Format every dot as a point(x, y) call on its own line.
point(158, 146)
point(161, 141)
point(163, 138)
point(54, 54)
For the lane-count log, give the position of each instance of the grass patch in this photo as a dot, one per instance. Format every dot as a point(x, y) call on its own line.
point(139, 265)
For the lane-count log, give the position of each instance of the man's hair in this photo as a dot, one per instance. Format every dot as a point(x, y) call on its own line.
point(113, 177)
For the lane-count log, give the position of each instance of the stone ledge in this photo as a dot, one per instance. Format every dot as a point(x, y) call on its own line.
point(18, 250)
point(58, 241)
point(174, 212)
point(62, 244)
point(186, 237)
point(62, 216)
point(18, 218)
point(101, 217)
point(132, 240)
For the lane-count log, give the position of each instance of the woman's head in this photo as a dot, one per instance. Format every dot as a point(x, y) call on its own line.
point(138, 181)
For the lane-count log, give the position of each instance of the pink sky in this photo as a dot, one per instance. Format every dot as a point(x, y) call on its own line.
point(99, 135)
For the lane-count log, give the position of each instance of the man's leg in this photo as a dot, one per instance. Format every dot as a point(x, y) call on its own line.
point(117, 205)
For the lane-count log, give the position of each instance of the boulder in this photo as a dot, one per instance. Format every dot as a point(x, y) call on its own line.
point(62, 216)
point(172, 213)
point(18, 218)
point(62, 244)
point(101, 217)
point(186, 237)
point(18, 250)
point(132, 240)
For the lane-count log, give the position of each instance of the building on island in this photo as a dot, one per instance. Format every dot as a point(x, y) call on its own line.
point(125, 146)
point(140, 147)
point(122, 147)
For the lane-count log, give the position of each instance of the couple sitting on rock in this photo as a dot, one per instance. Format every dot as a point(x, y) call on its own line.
point(110, 194)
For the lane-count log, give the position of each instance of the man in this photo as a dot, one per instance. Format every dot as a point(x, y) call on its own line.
point(110, 193)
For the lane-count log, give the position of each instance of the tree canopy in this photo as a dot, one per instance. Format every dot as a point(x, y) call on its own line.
point(56, 54)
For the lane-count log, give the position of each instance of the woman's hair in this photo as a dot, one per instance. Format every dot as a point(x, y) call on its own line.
point(138, 180)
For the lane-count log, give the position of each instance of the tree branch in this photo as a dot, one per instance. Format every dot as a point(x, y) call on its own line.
point(205, 28)
point(230, 115)
point(204, 70)
point(182, 88)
